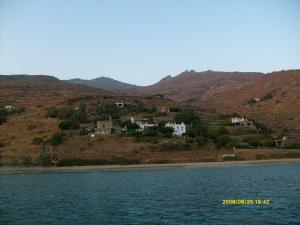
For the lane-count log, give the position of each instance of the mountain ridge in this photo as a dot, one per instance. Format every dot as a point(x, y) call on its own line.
point(105, 83)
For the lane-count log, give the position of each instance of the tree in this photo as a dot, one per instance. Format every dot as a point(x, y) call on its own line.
point(186, 117)
point(223, 141)
point(3, 119)
point(130, 126)
point(56, 139)
point(67, 125)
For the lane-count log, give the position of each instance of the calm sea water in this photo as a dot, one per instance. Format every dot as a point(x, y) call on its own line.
point(173, 196)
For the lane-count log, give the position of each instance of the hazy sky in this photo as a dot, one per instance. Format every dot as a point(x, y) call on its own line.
point(141, 41)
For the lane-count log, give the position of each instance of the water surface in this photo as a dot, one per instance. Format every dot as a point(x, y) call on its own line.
point(166, 196)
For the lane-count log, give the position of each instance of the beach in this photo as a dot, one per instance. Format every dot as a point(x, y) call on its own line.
point(108, 168)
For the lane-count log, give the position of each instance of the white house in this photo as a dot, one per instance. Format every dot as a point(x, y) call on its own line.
point(120, 104)
point(143, 124)
point(9, 108)
point(236, 120)
point(179, 128)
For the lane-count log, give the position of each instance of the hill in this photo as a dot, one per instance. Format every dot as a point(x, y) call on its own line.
point(32, 90)
point(105, 83)
point(273, 98)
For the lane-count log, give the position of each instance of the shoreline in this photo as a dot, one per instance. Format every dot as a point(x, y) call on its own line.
point(119, 168)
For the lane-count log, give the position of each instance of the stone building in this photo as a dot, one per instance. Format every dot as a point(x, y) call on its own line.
point(104, 127)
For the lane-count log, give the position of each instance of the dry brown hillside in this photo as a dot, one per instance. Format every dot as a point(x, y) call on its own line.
point(277, 94)
point(37, 93)
point(28, 90)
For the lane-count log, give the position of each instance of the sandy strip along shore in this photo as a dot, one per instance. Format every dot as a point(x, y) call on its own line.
point(103, 168)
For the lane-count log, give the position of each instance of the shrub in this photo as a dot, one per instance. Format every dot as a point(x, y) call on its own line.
point(56, 139)
point(166, 130)
point(151, 133)
point(174, 109)
point(68, 125)
point(130, 126)
point(293, 145)
point(265, 140)
point(107, 109)
point(222, 130)
point(251, 101)
point(223, 141)
point(45, 159)
point(226, 122)
point(253, 141)
point(119, 160)
point(37, 140)
point(3, 119)
point(52, 112)
point(26, 160)
point(262, 128)
point(266, 97)
point(202, 142)
point(186, 117)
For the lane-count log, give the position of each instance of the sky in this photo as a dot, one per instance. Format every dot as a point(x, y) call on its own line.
point(142, 41)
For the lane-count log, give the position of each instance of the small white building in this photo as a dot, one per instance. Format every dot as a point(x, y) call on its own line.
point(120, 104)
point(9, 108)
point(236, 120)
point(179, 128)
point(143, 124)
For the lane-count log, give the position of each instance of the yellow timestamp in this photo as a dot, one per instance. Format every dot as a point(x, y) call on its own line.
point(246, 201)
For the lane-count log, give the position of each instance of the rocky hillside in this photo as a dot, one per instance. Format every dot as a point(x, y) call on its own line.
point(105, 83)
point(273, 98)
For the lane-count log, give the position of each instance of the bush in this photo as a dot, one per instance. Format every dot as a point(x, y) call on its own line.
point(3, 119)
point(202, 142)
point(266, 97)
point(65, 113)
point(52, 112)
point(262, 128)
point(226, 122)
point(223, 141)
point(222, 130)
point(293, 145)
point(186, 117)
point(251, 101)
point(151, 133)
point(37, 140)
point(26, 161)
point(129, 125)
point(45, 159)
point(56, 139)
point(119, 160)
point(68, 125)
point(260, 141)
point(175, 109)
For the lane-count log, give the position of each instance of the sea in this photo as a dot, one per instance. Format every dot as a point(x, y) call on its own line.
point(231, 194)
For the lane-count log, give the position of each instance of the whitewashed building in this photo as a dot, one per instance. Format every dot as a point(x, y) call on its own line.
point(237, 121)
point(120, 104)
point(179, 128)
point(143, 124)
point(9, 108)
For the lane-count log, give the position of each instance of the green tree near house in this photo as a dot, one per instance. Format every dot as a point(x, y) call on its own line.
point(56, 139)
